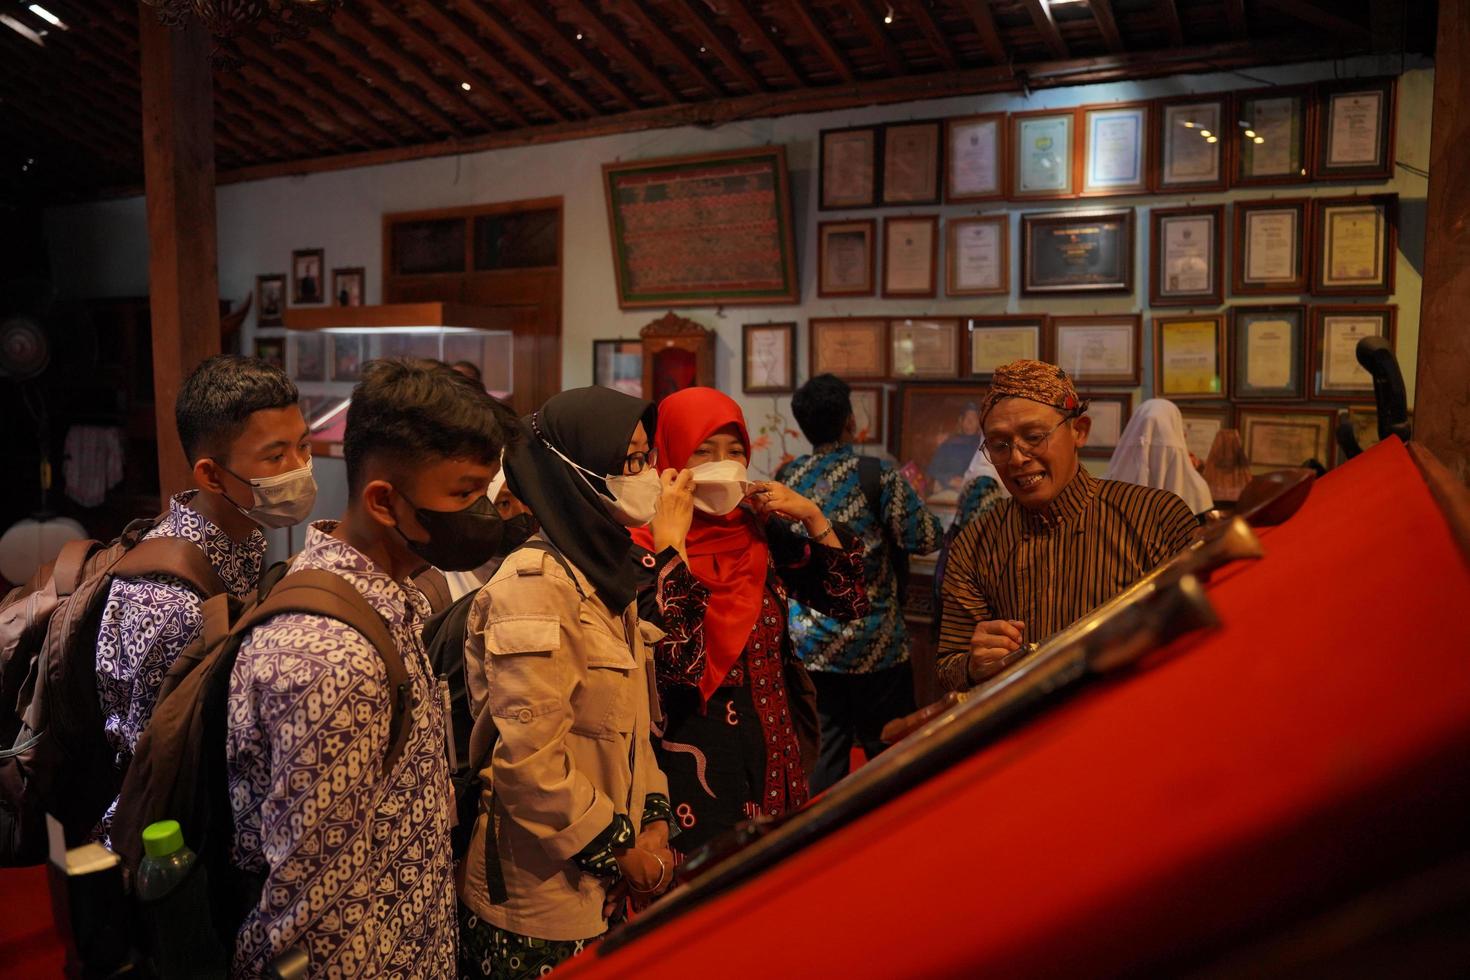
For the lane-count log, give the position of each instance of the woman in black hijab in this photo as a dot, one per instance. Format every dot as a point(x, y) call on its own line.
point(574, 811)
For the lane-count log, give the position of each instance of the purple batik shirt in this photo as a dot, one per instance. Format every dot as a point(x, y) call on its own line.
point(147, 622)
point(358, 867)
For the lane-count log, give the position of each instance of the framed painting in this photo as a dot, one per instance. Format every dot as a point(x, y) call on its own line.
point(852, 348)
point(270, 300)
point(307, 286)
point(768, 362)
point(846, 257)
point(939, 433)
point(348, 286)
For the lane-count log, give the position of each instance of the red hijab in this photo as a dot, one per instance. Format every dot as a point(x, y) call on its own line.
point(728, 554)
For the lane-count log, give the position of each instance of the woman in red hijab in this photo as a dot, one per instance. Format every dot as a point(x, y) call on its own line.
point(740, 725)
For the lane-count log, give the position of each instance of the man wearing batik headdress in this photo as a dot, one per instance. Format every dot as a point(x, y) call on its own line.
point(1063, 544)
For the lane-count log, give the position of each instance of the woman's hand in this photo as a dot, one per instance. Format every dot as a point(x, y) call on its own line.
point(771, 498)
point(674, 512)
point(641, 869)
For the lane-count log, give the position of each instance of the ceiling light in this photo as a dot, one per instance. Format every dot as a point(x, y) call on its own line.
point(888, 17)
point(701, 49)
point(1212, 139)
point(579, 35)
point(1250, 134)
point(21, 29)
point(1260, 139)
point(465, 86)
point(47, 16)
point(1189, 124)
point(1205, 133)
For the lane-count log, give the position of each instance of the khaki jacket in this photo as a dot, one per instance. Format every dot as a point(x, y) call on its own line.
point(569, 685)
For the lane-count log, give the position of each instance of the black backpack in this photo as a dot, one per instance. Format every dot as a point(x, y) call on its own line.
point(870, 478)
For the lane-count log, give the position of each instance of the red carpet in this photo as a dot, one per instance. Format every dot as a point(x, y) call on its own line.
point(29, 946)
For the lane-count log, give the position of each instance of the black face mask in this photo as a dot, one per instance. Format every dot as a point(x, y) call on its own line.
point(460, 540)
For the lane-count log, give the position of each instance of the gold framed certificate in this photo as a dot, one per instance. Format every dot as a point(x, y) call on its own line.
point(1269, 345)
point(845, 257)
point(1043, 154)
point(1270, 135)
point(978, 251)
point(1186, 245)
point(1270, 247)
point(1202, 423)
point(849, 168)
point(1355, 239)
point(924, 348)
point(1336, 374)
point(855, 349)
point(1115, 149)
point(997, 340)
point(1277, 439)
point(1109, 412)
point(909, 247)
point(975, 158)
point(911, 161)
point(1356, 130)
point(1189, 356)
point(1099, 350)
point(1187, 158)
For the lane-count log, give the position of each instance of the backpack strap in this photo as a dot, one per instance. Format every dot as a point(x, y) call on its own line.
point(170, 556)
point(435, 587)
point(66, 573)
point(870, 479)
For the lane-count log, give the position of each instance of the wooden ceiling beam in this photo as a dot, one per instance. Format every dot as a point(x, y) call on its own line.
point(1046, 26)
point(83, 98)
point(355, 60)
point(229, 126)
point(576, 57)
point(697, 18)
point(867, 21)
point(336, 132)
point(1169, 14)
point(320, 64)
point(292, 129)
point(277, 139)
point(96, 143)
point(823, 40)
point(524, 51)
point(1107, 24)
point(919, 11)
point(670, 46)
point(276, 61)
point(1235, 17)
point(979, 11)
point(1309, 13)
point(607, 37)
point(748, 27)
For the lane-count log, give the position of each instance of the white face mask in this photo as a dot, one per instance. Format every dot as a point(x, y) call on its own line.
point(720, 486)
point(282, 500)
point(634, 497)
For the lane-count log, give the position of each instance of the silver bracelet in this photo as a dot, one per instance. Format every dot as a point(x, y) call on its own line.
point(663, 870)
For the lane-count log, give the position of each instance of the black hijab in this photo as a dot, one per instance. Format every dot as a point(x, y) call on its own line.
point(591, 426)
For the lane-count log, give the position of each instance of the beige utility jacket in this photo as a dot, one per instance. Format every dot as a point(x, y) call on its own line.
point(569, 685)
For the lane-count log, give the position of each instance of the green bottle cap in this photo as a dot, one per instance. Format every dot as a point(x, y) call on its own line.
point(163, 838)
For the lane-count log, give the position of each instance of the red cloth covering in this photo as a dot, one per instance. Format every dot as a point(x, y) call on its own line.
point(727, 554)
point(1313, 744)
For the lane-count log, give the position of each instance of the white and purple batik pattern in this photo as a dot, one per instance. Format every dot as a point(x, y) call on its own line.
point(358, 867)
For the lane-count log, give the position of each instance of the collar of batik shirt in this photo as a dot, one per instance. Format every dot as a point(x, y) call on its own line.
point(1068, 506)
point(237, 562)
point(394, 601)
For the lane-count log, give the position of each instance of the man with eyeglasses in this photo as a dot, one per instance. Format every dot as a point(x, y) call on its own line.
point(1064, 543)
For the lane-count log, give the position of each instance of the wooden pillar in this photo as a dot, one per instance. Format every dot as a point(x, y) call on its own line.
point(1442, 391)
point(178, 165)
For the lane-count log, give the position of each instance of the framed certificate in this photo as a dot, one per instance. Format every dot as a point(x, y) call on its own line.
point(1189, 357)
point(1276, 439)
point(928, 348)
point(1099, 350)
point(1269, 345)
point(1270, 247)
point(1115, 149)
point(1201, 424)
point(768, 366)
point(1043, 158)
point(1188, 160)
point(846, 252)
point(974, 158)
point(1109, 412)
point(997, 340)
point(1270, 135)
point(853, 349)
point(978, 254)
point(1355, 130)
point(1186, 246)
point(1077, 252)
point(1355, 239)
point(909, 247)
point(849, 168)
point(911, 161)
point(869, 404)
point(1336, 374)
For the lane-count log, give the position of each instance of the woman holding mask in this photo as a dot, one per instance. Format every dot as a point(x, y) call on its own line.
point(558, 660)
point(740, 726)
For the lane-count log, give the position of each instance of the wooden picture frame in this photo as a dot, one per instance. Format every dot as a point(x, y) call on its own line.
point(1038, 165)
point(1103, 349)
point(975, 157)
point(1184, 160)
point(768, 358)
point(618, 364)
point(1050, 240)
point(1109, 166)
point(272, 350)
point(1356, 130)
point(847, 257)
point(932, 435)
point(977, 256)
point(1275, 437)
point(349, 355)
point(662, 259)
point(913, 160)
point(1269, 353)
point(848, 168)
point(1281, 120)
point(924, 348)
point(349, 286)
point(852, 348)
point(910, 256)
point(1336, 375)
point(308, 267)
point(307, 356)
point(995, 340)
point(1344, 264)
point(270, 300)
point(1202, 423)
point(1189, 357)
point(870, 411)
point(1187, 256)
point(1106, 409)
point(1270, 247)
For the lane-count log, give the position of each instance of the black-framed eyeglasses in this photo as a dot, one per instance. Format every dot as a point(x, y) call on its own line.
point(1029, 445)
point(635, 463)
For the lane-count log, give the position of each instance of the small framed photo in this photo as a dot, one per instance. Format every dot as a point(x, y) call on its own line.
point(1077, 252)
point(1109, 412)
point(1275, 438)
point(1186, 251)
point(975, 158)
point(769, 361)
point(997, 340)
point(308, 353)
point(1043, 155)
point(852, 348)
point(1202, 423)
point(846, 257)
point(910, 247)
point(849, 168)
point(270, 300)
point(1354, 241)
point(978, 253)
point(924, 348)
point(1189, 159)
point(1270, 135)
point(272, 350)
point(911, 162)
point(869, 404)
point(1336, 374)
point(1270, 254)
point(349, 353)
point(307, 285)
point(1355, 131)
point(1115, 154)
point(1269, 345)
point(1099, 350)
point(1189, 357)
point(618, 364)
point(348, 286)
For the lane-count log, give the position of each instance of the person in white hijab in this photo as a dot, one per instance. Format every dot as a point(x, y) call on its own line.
point(1152, 453)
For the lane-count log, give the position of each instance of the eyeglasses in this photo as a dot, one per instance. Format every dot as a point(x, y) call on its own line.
point(635, 463)
point(1029, 445)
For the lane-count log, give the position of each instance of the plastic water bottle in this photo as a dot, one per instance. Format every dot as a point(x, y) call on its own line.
point(173, 893)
